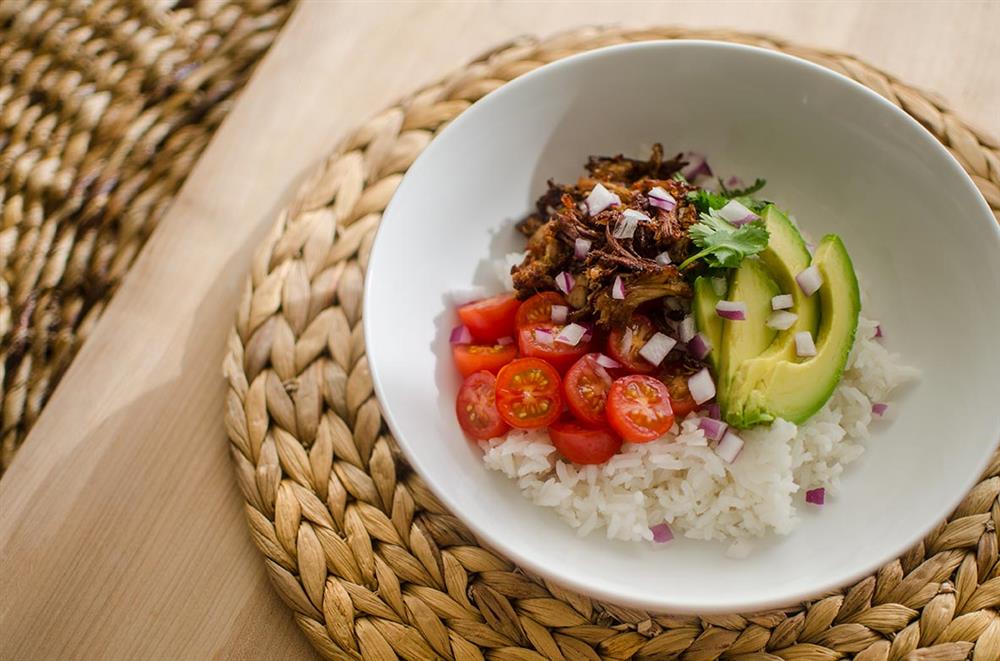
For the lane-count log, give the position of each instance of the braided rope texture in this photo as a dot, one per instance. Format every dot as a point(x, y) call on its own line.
point(375, 568)
point(105, 106)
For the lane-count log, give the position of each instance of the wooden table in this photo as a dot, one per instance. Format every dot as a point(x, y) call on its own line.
point(121, 527)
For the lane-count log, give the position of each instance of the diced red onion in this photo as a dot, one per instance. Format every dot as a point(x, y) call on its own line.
point(581, 247)
point(699, 346)
point(543, 337)
point(879, 408)
point(686, 329)
point(782, 320)
point(816, 496)
point(607, 362)
point(663, 259)
point(635, 215)
point(701, 386)
point(625, 229)
point(729, 447)
point(714, 429)
point(734, 182)
point(804, 344)
point(505, 340)
point(810, 280)
point(732, 310)
point(878, 330)
point(715, 411)
point(782, 302)
point(719, 286)
point(657, 348)
point(601, 198)
point(565, 282)
point(697, 165)
point(587, 337)
point(661, 533)
point(618, 289)
point(559, 313)
point(661, 199)
point(737, 214)
point(460, 335)
point(571, 334)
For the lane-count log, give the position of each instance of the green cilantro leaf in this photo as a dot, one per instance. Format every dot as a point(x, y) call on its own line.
point(706, 200)
point(724, 245)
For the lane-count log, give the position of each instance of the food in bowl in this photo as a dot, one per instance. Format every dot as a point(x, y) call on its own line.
point(843, 159)
point(671, 357)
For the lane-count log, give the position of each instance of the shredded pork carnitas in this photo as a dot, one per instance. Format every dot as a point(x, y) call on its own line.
point(562, 217)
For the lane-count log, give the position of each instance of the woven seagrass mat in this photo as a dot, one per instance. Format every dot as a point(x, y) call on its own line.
point(374, 567)
point(104, 108)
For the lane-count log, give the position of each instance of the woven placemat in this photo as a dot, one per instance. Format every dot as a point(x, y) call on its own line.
point(370, 562)
point(104, 108)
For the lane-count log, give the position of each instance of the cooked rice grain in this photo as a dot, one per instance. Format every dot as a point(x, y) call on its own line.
point(680, 479)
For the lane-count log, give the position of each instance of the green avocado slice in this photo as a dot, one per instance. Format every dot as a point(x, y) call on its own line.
point(795, 390)
point(786, 256)
point(743, 340)
point(708, 323)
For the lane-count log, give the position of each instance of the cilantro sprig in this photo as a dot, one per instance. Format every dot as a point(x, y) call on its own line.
point(705, 200)
point(722, 244)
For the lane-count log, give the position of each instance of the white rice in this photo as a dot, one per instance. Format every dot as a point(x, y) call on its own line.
point(679, 478)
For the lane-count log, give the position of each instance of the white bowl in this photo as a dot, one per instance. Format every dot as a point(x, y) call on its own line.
point(843, 160)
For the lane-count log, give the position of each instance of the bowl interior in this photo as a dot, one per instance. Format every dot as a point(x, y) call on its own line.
point(843, 160)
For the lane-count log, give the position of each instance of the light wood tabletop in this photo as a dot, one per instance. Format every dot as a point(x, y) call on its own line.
point(121, 527)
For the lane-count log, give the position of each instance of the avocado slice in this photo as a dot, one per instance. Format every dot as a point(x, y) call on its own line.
point(752, 285)
point(709, 324)
point(795, 390)
point(786, 256)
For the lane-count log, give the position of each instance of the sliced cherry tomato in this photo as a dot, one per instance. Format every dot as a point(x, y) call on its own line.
point(476, 407)
point(491, 318)
point(681, 400)
point(639, 408)
point(472, 358)
point(538, 308)
point(528, 393)
point(582, 445)
point(559, 354)
point(625, 342)
point(586, 388)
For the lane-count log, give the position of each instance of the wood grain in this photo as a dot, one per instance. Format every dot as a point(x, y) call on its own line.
point(121, 528)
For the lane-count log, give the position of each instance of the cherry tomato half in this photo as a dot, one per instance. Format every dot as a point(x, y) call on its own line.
point(639, 408)
point(538, 308)
point(476, 407)
point(625, 342)
point(472, 358)
point(528, 393)
point(491, 318)
point(558, 354)
point(681, 400)
point(586, 386)
point(582, 445)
